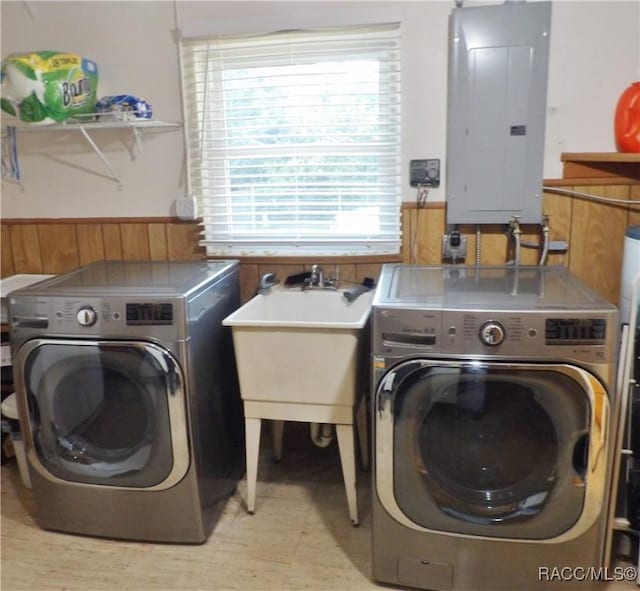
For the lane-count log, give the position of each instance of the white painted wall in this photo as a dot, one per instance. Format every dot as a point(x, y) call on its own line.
point(594, 56)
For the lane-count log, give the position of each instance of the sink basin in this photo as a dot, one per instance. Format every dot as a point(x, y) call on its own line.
point(311, 308)
point(301, 346)
point(301, 356)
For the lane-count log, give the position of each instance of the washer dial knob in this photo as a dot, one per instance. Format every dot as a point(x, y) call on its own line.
point(86, 316)
point(492, 333)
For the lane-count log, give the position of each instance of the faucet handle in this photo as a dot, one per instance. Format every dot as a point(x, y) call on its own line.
point(267, 281)
point(331, 281)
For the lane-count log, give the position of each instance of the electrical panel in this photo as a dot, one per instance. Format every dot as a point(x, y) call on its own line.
point(497, 96)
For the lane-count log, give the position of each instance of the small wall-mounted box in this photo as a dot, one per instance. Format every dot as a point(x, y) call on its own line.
point(424, 173)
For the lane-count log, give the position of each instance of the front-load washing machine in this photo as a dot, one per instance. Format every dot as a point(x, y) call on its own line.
point(491, 396)
point(128, 397)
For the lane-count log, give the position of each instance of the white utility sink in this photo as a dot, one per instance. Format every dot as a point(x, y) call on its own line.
point(308, 308)
point(301, 356)
point(300, 346)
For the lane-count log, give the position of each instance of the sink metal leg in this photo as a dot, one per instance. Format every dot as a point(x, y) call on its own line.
point(277, 429)
point(252, 435)
point(347, 459)
point(363, 431)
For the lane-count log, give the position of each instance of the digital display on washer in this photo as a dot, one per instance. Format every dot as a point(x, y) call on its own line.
point(149, 314)
point(575, 331)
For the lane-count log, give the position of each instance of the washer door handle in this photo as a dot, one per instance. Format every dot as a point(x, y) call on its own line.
point(581, 457)
point(385, 392)
point(173, 377)
point(174, 381)
point(34, 410)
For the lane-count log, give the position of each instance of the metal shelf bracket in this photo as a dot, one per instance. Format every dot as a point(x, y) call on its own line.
point(102, 157)
point(136, 126)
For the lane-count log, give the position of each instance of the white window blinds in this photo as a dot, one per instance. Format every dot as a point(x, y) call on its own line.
point(293, 141)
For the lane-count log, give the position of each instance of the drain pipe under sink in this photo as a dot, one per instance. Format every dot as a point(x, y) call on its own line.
point(321, 434)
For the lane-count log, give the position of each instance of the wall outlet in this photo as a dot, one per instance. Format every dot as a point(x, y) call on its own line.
point(454, 246)
point(187, 208)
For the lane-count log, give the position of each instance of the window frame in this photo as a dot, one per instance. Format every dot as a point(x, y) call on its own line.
point(328, 246)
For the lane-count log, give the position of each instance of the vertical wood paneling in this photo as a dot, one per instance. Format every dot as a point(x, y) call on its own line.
point(346, 273)
point(495, 247)
point(595, 233)
point(158, 250)
point(596, 245)
point(407, 225)
point(467, 232)
point(90, 243)
point(59, 246)
point(428, 226)
point(634, 213)
point(26, 248)
point(249, 277)
point(531, 234)
point(6, 256)
point(281, 271)
point(182, 242)
point(112, 242)
point(559, 209)
point(135, 242)
point(371, 270)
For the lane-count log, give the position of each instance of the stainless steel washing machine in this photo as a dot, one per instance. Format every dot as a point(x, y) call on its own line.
point(128, 397)
point(492, 388)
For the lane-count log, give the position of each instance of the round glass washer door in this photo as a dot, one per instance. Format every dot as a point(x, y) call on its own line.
point(105, 413)
point(497, 449)
point(489, 449)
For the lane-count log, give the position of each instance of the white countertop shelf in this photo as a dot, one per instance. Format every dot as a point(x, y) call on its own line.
point(78, 125)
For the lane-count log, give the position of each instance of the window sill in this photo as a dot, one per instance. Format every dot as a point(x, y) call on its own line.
point(326, 260)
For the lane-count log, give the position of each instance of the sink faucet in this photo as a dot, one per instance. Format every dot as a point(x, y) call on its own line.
point(317, 276)
point(317, 280)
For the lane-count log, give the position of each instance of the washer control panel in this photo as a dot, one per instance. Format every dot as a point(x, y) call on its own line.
point(508, 334)
point(92, 316)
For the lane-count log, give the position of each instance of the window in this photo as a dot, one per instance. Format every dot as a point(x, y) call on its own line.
point(294, 141)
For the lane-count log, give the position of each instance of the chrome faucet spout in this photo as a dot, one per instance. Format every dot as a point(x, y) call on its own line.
point(317, 276)
point(317, 279)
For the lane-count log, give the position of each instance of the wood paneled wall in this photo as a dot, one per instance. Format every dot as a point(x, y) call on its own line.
point(57, 246)
point(594, 232)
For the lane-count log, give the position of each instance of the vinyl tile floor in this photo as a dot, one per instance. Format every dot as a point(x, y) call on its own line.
point(300, 538)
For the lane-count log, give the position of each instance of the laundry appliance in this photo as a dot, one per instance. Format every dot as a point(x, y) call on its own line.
point(491, 396)
point(128, 397)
